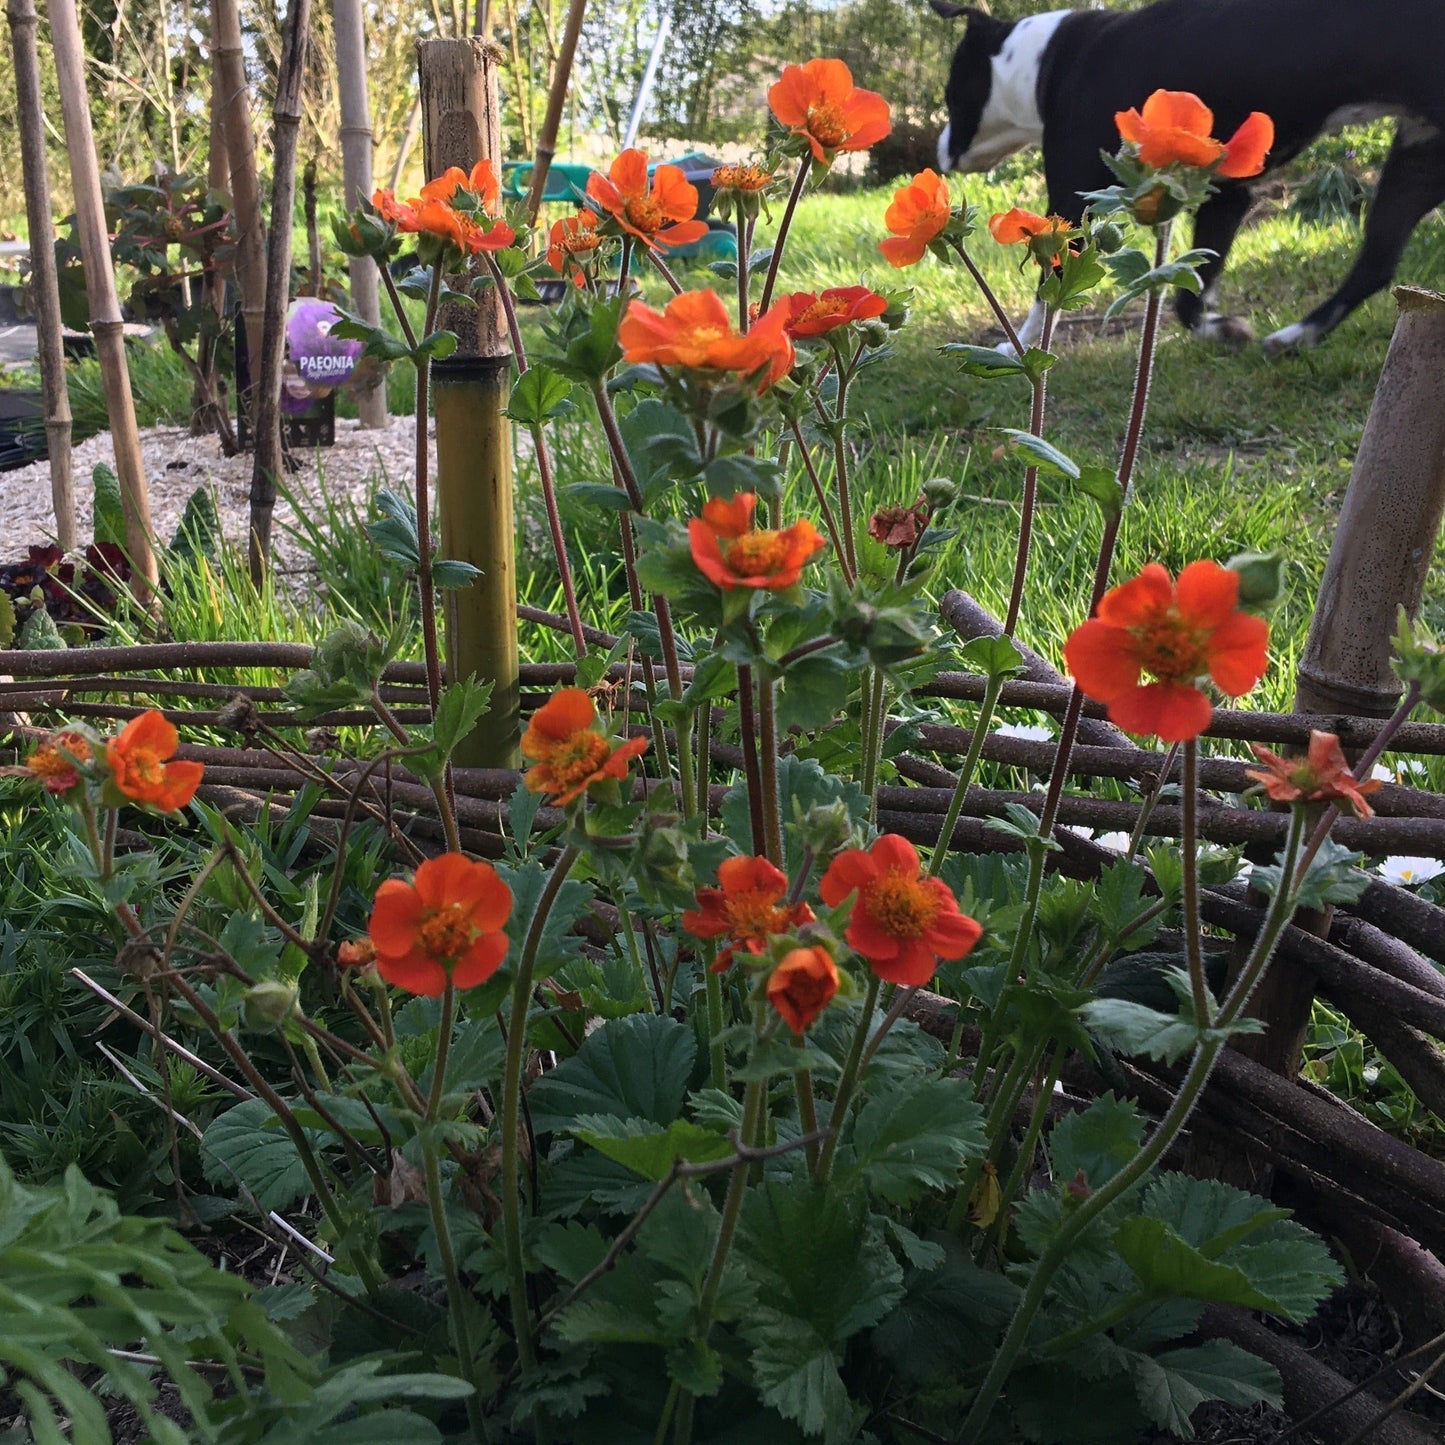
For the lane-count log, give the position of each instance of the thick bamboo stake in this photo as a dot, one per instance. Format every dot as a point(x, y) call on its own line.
point(1388, 524)
point(556, 100)
point(266, 413)
point(1381, 553)
point(356, 142)
point(229, 62)
point(105, 318)
point(461, 122)
point(44, 290)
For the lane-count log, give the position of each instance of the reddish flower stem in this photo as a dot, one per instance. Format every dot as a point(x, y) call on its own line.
point(995, 305)
point(430, 646)
point(665, 271)
point(805, 167)
point(1147, 341)
point(768, 761)
point(752, 773)
point(829, 521)
point(1189, 855)
point(544, 466)
point(1031, 483)
point(745, 250)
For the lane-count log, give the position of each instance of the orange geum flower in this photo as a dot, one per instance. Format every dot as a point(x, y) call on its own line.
point(730, 552)
point(54, 762)
point(695, 332)
point(917, 215)
point(1045, 236)
point(802, 986)
point(1177, 633)
point(570, 753)
point(819, 102)
point(903, 921)
point(1321, 776)
point(141, 767)
point(810, 314)
point(402, 213)
point(747, 907)
point(572, 238)
point(659, 211)
point(1173, 128)
point(445, 924)
point(483, 183)
point(750, 180)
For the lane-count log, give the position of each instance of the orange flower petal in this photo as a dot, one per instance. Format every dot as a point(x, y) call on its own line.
point(1138, 600)
point(1239, 653)
point(149, 732)
point(850, 870)
point(1178, 110)
point(395, 913)
point(1176, 713)
point(569, 710)
point(416, 973)
point(1206, 593)
point(629, 174)
point(480, 961)
point(1246, 149)
point(1100, 660)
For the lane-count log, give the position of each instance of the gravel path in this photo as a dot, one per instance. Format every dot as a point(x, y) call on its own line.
point(176, 463)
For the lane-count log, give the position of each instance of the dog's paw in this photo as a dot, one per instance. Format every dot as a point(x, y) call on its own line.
point(1233, 333)
point(1287, 339)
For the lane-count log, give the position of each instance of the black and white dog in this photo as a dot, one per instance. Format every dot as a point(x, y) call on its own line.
point(1057, 80)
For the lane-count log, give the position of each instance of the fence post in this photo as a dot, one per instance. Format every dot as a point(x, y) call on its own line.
point(1378, 562)
point(461, 123)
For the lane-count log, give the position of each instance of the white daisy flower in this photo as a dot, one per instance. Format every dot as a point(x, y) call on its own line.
point(1407, 870)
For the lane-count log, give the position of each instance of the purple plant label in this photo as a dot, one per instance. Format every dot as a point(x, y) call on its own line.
point(321, 360)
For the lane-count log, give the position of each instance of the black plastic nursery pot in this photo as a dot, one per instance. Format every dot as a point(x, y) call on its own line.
point(22, 426)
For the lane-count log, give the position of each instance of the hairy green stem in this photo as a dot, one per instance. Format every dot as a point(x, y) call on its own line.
point(512, 1109)
point(843, 1096)
point(992, 688)
point(1031, 484)
point(1200, 1067)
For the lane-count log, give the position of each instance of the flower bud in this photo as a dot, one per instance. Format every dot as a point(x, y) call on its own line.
point(1107, 237)
point(1155, 206)
point(939, 492)
point(825, 829)
point(1261, 579)
point(268, 1004)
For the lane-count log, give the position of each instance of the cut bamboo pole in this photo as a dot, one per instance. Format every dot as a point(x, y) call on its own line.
point(44, 287)
point(269, 456)
point(105, 318)
point(228, 60)
point(1388, 524)
point(461, 123)
point(356, 143)
point(1382, 549)
point(556, 100)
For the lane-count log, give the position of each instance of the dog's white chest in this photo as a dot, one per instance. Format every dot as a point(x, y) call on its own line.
point(1011, 118)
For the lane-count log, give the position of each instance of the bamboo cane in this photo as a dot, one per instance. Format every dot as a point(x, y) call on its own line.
point(356, 142)
point(1378, 562)
point(461, 122)
point(286, 117)
point(556, 99)
point(105, 318)
point(229, 65)
point(44, 288)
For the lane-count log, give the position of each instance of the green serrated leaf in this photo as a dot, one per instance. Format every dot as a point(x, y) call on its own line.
point(538, 395)
point(915, 1137)
point(636, 1068)
point(984, 361)
point(1172, 1385)
point(249, 1140)
point(647, 1150)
